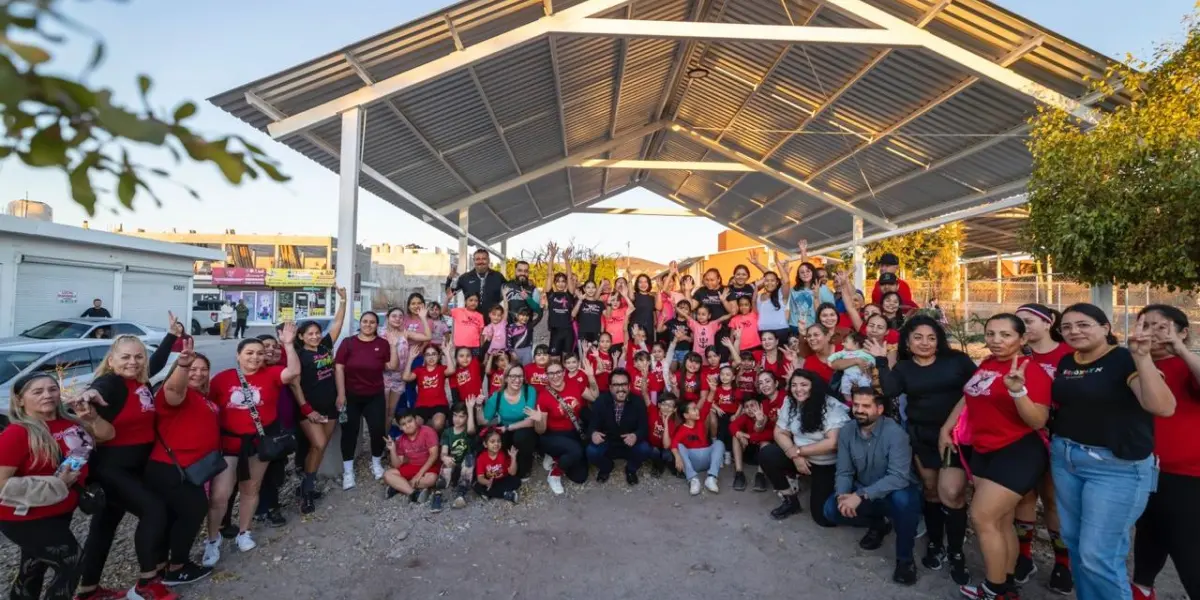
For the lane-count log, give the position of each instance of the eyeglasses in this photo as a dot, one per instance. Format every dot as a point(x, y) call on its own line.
point(553, 373)
point(618, 385)
point(514, 376)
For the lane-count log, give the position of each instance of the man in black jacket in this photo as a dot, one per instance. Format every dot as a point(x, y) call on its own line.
point(618, 428)
point(482, 281)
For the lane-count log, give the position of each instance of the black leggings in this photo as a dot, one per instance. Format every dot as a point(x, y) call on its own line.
point(187, 507)
point(723, 421)
point(566, 448)
point(120, 471)
point(507, 483)
point(526, 441)
point(778, 467)
point(562, 341)
point(372, 408)
point(45, 544)
point(1170, 527)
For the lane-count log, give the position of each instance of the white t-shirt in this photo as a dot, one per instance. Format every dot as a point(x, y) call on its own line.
point(836, 415)
point(770, 317)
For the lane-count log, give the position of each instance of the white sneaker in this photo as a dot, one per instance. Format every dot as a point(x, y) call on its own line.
point(347, 480)
point(547, 462)
point(212, 553)
point(728, 459)
point(694, 486)
point(710, 484)
point(377, 470)
point(556, 485)
point(245, 543)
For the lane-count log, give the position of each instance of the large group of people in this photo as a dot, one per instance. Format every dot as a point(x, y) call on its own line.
point(793, 374)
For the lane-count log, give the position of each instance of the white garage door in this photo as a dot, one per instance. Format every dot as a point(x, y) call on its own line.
point(146, 297)
point(56, 291)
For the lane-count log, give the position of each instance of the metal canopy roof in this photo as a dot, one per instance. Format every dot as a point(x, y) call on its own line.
point(895, 110)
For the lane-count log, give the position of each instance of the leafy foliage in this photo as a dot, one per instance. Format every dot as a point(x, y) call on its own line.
point(1121, 202)
point(965, 330)
point(65, 124)
point(581, 258)
point(926, 254)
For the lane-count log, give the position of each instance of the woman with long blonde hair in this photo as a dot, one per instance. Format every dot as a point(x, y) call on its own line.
point(44, 455)
point(121, 393)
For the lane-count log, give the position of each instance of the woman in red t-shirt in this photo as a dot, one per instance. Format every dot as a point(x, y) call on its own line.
point(1046, 348)
point(36, 483)
point(358, 373)
point(122, 395)
point(1169, 525)
point(432, 407)
point(1007, 403)
point(496, 471)
point(189, 433)
point(248, 399)
point(556, 420)
point(821, 347)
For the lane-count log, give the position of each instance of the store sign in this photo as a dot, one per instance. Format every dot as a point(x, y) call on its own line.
point(68, 297)
point(238, 276)
point(318, 278)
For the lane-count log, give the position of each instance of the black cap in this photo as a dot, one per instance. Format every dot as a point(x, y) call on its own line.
point(889, 260)
point(888, 279)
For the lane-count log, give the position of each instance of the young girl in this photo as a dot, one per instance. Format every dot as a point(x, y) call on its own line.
point(560, 301)
point(745, 375)
point(457, 455)
point(616, 320)
point(575, 379)
point(535, 372)
point(704, 329)
point(520, 334)
point(692, 450)
point(600, 358)
point(589, 313)
point(710, 370)
point(468, 323)
point(639, 375)
point(495, 366)
point(724, 400)
point(495, 335)
point(688, 379)
point(468, 378)
point(658, 370)
point(439, 331)
point(432, 405)
point(662, 426)
point(496, 471)
point(744, 325)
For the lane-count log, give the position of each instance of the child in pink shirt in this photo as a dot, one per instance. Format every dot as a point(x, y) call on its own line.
point(744, 325)
point(468, 325)
point(704, 331)
point(615, 319)
point(496, 332)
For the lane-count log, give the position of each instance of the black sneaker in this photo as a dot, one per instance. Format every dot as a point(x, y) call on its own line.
point(229, 531)
point(760, 482)
point(460, 497)
point(874, 537)
point(935, 557)
point(512, 497)
point(656, 469)
point(1024, 570)
point(1060, 580)
point(790, 506)
point(190, 572)
point(414, 497)
point(441, 483)
point(739, 482)
point(631, 477)
point(308, 504)
point(602, 477)
point(435, 505)
point(275, 518)
point(390, 493)
point(905, 573)
point(958, 568)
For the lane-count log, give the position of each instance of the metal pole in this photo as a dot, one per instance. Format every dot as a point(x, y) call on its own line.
point(860, 266)
point(1126, 336)
point(966, 277)
point(464, 219)
point(999, 280)
point(348, 172)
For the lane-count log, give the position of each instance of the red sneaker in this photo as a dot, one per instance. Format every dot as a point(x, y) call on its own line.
point(102, 593)
point(1139, 595)
point(155, 590)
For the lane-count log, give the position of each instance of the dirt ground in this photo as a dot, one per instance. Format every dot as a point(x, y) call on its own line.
point(599, 541)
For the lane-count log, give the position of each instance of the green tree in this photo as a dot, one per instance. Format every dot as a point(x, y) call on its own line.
point(930, 254)
point(1121, 202)
point(64, 123)
point(581, 259)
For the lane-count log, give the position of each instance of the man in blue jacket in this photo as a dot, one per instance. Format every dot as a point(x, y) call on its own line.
point(618, 428)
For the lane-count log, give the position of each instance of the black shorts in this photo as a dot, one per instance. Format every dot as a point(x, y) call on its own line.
point(327, 408)
point(1018, 466)
point(750, 454)
point(425, 413)
point(924, 440)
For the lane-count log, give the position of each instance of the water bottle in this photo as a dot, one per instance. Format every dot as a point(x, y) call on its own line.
point(342, 419)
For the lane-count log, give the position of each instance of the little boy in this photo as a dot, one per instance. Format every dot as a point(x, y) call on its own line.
point(413, 450)
point(520, 334)
point(751, 430)
point(458, 458)
point(853, 376)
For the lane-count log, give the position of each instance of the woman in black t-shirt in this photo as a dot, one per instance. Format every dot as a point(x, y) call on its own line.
point(644, 314)
point(320, 395)
point(560, 300)
point(1102, 450)
point(933, 376)
point(711, 295)
point(588, 312)
point(739, 287)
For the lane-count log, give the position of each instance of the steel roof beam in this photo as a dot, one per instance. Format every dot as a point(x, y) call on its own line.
point(437, 68)
point(984, 247)
point(618, 88)
point(563, 212)
point(638, 212)
point(969, 60)
point(558, 165)
point(683, 50)
point(665, 165)
point(991, 230)
point(753, 236)
point(740, 32)
point(432, 214)
point(558, 99)
point(784, 177)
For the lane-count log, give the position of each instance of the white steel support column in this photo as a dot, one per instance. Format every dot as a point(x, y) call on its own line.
point(350, 164)
point(504, 251)
point(860, 266)
point(1102, 296)
point(464, 221)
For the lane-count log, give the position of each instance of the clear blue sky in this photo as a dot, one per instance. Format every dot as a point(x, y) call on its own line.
point(196, 49)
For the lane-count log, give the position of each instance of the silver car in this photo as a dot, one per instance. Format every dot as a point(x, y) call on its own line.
point(72, 362)
point(78, 328)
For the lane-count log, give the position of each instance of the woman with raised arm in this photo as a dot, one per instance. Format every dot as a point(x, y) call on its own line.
point(560, 303)
point(358, 373)
point(319, 392)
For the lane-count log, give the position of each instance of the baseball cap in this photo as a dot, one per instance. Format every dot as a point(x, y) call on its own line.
point(889, 259)
point(888, 279)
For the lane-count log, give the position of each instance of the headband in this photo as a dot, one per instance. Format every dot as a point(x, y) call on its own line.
point(1038, 312)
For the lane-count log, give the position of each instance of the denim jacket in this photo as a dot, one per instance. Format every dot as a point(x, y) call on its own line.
point(874, 466)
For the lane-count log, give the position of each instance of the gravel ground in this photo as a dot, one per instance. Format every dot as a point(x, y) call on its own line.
point(602, 540)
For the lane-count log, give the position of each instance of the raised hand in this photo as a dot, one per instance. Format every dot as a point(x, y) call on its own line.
point(752, 256)
point(1015, 379)
point(877, 349)
point(1139, 343)
point(802, 246)
point(472, 402)
point(187, 353)
point(341, 293)
point(512, 452)
point(287, 335)
point(172, 321)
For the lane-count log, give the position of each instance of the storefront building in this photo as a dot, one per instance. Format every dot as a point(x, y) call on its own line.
point(273, 295)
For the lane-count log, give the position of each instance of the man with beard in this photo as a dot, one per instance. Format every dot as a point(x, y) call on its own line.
point(483, 281)
point(875, 482)
point(520, 293)
point(618, 428)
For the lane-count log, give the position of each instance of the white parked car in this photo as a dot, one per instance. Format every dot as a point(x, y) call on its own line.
point(73, 362)
point(78, 328)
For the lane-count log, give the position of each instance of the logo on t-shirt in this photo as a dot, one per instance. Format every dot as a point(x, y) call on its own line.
point(429, 382)
point(494, 470)
point(145, 398)
point(78, 441)
point(238, 398)
point(981, 382)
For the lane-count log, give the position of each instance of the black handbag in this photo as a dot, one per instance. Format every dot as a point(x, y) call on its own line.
point(270, 446)
point(200, 472)
point(91, 498)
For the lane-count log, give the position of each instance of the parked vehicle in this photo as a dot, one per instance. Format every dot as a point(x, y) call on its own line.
point(324, 322)
point(205, 317)
point(88, 328)
point(73, 362)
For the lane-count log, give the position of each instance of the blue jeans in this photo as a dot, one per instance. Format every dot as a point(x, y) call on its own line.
point(708, 459)
point(602, 455)
point(1099, 498)
point(409, 398)
point(903, 507)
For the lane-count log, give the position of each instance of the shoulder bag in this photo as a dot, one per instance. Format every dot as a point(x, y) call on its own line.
point(567, 411)
point(200, 472)
point(270, 446)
